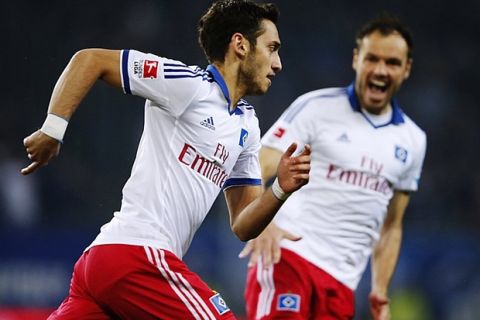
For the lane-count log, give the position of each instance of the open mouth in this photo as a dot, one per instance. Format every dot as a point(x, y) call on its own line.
point(270, 78)
point(378, 85)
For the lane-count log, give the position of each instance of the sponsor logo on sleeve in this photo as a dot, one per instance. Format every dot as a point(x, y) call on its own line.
point(219, 304)
point(288, 302)
point(150, 68)
point(138, 68)
point(279, 132)
point(147, 69)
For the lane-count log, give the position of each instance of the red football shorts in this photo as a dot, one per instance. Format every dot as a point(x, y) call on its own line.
point(296, 289)
point(134, 282)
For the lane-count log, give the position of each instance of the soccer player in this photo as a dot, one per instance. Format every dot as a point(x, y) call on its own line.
point(199, 137)
point(367, 157)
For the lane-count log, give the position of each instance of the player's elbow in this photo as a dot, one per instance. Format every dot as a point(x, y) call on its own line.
point(83, 57)
point(242, 233)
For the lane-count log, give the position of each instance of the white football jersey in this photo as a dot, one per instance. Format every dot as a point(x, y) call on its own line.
point(191, 148)
point(356, 166)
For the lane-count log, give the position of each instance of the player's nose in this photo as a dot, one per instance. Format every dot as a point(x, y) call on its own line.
point(277, 64)
point(381, 68)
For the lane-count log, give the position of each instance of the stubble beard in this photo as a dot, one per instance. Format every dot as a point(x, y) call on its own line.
point(249, 76)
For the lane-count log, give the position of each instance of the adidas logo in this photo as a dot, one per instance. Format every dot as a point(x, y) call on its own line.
point(208, 123)
point(343, 138)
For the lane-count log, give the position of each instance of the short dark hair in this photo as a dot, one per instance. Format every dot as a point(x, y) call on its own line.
point(226, 17)
point(386, 24)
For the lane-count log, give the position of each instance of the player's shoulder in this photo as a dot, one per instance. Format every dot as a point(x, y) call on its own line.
point(316, 101)
point(176, 69)
point(322, 95)
point(149, 63)
point(246, 110)
point(245, 107)
point(414, 134)
point(412, 126)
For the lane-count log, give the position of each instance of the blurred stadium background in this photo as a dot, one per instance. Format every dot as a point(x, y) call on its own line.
point(47, 219)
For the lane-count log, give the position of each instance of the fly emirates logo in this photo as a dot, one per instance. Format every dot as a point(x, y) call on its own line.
point(368, 178)
point(212, 170)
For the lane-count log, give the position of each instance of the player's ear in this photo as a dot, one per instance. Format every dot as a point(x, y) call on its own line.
point(240, 45)
point(408, 68)
point(355, 59)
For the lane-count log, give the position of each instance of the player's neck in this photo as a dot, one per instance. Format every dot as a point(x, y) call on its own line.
point(229, 73)
point(387, 109)
point(379, 118)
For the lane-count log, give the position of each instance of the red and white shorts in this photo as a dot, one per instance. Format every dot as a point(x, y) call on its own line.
point(134, 282)
point(296, 289)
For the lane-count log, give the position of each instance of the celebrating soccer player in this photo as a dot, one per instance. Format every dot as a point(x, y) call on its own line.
point(199, 137)
point(367, 157)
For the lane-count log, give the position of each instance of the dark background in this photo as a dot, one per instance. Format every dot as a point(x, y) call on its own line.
point(47, 219)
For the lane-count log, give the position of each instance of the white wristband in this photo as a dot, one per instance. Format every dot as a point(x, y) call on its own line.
point(278, 192)
point(54, 126)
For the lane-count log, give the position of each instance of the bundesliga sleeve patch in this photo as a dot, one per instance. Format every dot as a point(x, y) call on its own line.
point(279, 132)
point(146, 69)
point(288, 302)
point(150, 68)
point(219, 304)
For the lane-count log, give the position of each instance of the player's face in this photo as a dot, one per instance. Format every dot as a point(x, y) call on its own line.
point(381, 64)
point(263, 63)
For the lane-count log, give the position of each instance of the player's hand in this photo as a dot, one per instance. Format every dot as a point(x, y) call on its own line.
point(293, 172)
point(266, 246)
point(40, 149)
point(379, 306)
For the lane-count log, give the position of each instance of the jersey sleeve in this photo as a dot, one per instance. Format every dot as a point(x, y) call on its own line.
point(293, 125)
point(169, 84)
point(246, 170)
point(410, 179)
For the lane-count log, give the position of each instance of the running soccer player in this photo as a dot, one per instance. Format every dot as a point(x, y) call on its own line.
point(199, 137)
point(367, 158)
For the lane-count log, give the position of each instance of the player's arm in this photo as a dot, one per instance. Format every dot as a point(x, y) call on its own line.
point(269, 159)
point(83, 70)
point(385, 255)
point(267, 244)
point(251, 210)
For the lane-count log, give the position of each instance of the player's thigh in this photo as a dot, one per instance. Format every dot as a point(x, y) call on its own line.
point(79, 304)
point(280, 292)
point(79, 308)
point(334, 300)
point(158, 285)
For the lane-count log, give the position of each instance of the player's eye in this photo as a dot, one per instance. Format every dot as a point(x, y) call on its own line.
point(394, 62)
point(371, 58)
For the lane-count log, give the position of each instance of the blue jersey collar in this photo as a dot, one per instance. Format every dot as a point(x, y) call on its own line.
point(397, 114)
point(217, 77)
